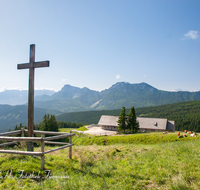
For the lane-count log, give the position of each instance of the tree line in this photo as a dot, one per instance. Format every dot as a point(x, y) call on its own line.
point(64, 124)
point(50, 123)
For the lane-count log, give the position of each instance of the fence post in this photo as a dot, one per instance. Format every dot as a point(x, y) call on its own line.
point(70, 148)
point(22, 135)
point(42, 150)
point(22, 132)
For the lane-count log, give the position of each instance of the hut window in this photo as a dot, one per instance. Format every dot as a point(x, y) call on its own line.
point(155, 124)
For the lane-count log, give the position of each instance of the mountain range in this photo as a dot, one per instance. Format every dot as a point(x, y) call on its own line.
point(71, 98)
point(74, 99)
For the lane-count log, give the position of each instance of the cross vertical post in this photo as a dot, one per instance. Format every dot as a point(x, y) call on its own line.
point(31, 66)
point(31, 97)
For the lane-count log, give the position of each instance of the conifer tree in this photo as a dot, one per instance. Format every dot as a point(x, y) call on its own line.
point(52, 124)
point(49, 123)
point(122, 120)
point(132, 122)
point(44, 125)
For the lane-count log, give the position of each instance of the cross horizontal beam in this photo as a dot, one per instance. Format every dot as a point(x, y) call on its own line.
point(35, 65)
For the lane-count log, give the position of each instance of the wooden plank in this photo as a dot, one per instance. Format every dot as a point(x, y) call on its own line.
point(22, 135)
point(35, 65)
point(70, 148)
point(24, 66)
point(9, 143)
point(10, 133)
point(47, 132)
point(52, 142)
point(31, 97)
point(41, 64)
point(22, 132)
point(32, 53)
point(21, 152)
point(59, 136)
point(42, 150)
point(58, 148)
point(28, 139)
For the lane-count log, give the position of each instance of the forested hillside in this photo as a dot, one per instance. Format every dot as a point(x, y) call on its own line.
point(185, 114)
point(86, 117)
point(10, 116)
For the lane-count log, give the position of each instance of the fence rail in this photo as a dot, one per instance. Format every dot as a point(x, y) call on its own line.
point(46, 132)
point(41, 139)
point(11, 133)
point(4, 144)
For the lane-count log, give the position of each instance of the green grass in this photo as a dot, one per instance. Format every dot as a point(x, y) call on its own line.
point(82, 128)
point(147, 138)
point(64, 130)
point(77, 136)
point(169, 165)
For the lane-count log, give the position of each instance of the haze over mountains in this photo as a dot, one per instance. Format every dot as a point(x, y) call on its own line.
point(19, 97)
point(10, 116)
point(72, 99)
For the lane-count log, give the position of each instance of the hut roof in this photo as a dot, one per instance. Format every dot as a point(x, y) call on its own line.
point(145, 123)
point(108, 120)
point(152, 123)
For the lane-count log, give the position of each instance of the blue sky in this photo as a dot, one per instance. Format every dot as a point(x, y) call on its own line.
point(96, 43)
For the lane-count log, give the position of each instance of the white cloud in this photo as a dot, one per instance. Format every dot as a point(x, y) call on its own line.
point(64, 80)
point(14, 88)
point(2, 89)
point(145, 75)
point(181, 89)
point(118, 76)
point(53, 89)
point(191, 35)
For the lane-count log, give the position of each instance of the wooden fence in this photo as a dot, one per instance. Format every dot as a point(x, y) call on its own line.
point(43, 140)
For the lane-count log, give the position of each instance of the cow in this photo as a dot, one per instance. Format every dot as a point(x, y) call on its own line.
point(189, 132)
point(184, 135)
point(185, 131)
point(178, 134)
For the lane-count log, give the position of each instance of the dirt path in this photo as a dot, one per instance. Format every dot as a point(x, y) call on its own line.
point(99, 131)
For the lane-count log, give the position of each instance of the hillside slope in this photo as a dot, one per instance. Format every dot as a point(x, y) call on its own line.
point(185, 114)
point(10, 116)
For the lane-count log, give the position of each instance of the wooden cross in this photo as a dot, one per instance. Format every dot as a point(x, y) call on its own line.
point(31, 66)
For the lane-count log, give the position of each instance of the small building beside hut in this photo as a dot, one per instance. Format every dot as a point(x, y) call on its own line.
point(145, 124)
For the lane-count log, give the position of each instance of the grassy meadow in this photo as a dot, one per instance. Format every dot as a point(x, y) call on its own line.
point(117, 165)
